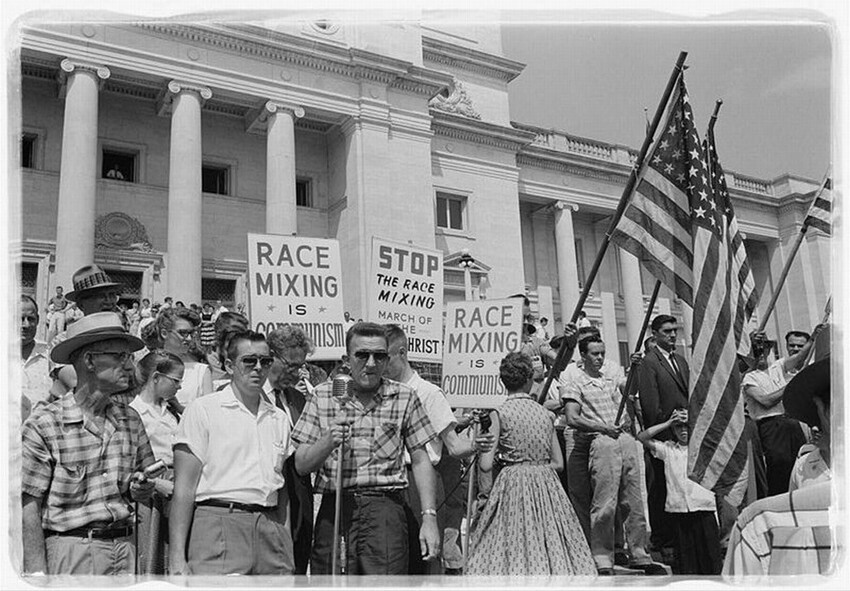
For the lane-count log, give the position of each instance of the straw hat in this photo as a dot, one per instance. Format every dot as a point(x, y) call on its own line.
point(87, 279)
point(93, 328)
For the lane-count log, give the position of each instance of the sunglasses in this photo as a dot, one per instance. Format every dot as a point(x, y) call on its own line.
point(122, 356)
point(378, 356)
point(250, 361)
point(185, 334)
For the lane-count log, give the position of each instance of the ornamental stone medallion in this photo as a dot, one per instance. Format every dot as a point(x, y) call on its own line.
point(119, 231)
point(458, 102)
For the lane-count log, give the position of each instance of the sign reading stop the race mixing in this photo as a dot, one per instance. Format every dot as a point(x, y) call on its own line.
point(297, 281)
point(478, 336)
point(406, 288)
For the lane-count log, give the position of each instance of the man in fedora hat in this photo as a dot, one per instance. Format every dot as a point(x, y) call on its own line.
point(791, 533)
point(93, 292)
point(84, 459)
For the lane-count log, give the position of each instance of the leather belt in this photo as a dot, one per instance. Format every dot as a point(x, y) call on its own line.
point(99, 533)
point(233, 506)
point(392, 493)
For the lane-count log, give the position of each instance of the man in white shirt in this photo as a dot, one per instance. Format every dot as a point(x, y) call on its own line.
point(36, 380)
point(228, 474)
point(443, 420)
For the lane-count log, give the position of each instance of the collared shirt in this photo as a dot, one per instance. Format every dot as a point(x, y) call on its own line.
point(242, 454)
point(683, 494)
point(787, 534)
point(598, 397)
point(161, 426)
point(373, 453)
point(439, 413)
point(36, 375)
point(573, 370)
point(758, 384)
point(80, 471)
point(809, 469)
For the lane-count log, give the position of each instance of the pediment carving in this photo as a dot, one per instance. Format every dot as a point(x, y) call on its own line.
point(458, 102)
point(118, 230)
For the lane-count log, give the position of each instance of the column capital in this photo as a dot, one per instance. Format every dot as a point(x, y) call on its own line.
point(69, 65)
point(257, 119)
point(174, 88)
point(562, 205)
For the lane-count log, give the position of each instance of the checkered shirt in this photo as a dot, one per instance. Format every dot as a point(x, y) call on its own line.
point(599, 398)
point(373, 453)
point(82, 473)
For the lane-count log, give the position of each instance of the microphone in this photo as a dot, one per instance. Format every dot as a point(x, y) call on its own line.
point(340, 388)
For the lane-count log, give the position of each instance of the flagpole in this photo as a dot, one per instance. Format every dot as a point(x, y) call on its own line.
point(826, 313)
point(789, 260)
point(566, 349)
point(632, 379)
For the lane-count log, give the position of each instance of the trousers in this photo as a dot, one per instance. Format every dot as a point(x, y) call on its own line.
point(73, 555)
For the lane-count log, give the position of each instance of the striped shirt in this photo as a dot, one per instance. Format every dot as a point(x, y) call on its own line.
point(787, 534)
point(373, 454)
point(82, 471)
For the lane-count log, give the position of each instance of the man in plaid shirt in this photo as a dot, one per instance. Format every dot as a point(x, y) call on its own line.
point(83, 460)
point(592, 400)
point(380, 419)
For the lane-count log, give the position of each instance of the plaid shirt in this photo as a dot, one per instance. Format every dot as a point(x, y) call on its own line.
point(373, 453)
point(599, 398)
point(82, 473)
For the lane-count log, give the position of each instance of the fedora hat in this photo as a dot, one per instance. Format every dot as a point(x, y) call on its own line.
point(93, 328)
point(812, 380)
point(87, 279)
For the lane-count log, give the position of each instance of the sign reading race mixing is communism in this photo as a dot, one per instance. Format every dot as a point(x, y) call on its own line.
point(478, 336)
point(406, 288)
point(294, 280)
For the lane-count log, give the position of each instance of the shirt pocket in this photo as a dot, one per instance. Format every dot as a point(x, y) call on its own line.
point(387, 441)
point(279, 457)
point(70, 479)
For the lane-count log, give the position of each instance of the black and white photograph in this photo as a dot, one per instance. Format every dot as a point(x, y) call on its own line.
point(465, 297)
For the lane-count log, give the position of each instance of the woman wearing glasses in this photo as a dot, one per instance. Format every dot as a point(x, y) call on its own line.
point(178, 329)
point(160, 374)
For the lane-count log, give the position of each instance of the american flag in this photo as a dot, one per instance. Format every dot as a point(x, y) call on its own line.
point(682, 229)
point(820, 212)
point(724, 300)
point(656, 225)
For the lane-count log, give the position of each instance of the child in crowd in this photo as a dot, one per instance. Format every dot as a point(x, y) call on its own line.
point(691, 507)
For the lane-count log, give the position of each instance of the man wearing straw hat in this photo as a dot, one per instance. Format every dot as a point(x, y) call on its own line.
point(84, 459)
point(93, 292)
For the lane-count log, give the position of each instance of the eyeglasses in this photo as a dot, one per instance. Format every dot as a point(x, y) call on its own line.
point(122, 356)
point(185, 334)
point(177, 381)
point(378, 356)
point(250, 361)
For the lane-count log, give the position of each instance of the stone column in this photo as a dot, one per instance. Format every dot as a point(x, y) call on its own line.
point(185, 215)
point(78, 172)
point(281, 211)
point(632, 296)
point(565, 247)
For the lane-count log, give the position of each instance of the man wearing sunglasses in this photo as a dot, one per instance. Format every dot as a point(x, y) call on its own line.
point(228, 513)
point(84, 457)
point(380, 419)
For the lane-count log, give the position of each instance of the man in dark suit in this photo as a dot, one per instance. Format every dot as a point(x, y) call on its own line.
point(663, 387)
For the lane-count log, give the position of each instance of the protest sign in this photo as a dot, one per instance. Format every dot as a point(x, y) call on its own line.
point(294, 280)
point(478, 336)
point(406, 288)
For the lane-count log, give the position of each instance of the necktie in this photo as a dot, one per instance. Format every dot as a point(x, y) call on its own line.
point(675, 365)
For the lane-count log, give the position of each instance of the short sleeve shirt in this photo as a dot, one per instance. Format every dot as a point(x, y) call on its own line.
point(439, 412)
point(373, 457)
point(242, 454)
point(598, 397)
point(683, 494)
point(81, 471)
point(36, 375)
point(810, 468)
point(161, 426)
point(757, 384)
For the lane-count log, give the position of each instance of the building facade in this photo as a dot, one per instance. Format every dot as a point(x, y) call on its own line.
point(153, 148)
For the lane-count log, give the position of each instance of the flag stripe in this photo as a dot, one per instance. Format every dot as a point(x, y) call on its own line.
point(659, 268)
point(820, 211)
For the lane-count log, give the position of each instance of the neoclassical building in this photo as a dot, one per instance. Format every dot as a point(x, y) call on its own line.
point(153, 148)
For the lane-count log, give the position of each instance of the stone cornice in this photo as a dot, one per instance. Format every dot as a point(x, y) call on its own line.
point(175, 87)
point(462, 58)
point(575, 165)
point(479, 132)
point(308, 53)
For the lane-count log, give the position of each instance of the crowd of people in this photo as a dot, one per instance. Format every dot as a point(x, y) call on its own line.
point(175, 440)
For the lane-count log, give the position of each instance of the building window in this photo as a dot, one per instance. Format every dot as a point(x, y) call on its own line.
point(29, 278)
point(119, 166)
point(28, 146)
point(131, 285)
point(303, 193)
point(215, 179)
point(214, 290)
point(450, 211)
